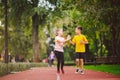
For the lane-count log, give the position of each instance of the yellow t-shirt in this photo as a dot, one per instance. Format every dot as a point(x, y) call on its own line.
point(76, 40)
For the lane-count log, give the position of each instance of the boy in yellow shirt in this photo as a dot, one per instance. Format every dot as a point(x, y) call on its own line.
point(79, 41)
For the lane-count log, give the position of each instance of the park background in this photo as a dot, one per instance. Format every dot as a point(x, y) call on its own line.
point(27, 29)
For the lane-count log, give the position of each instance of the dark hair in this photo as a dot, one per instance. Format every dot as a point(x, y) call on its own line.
point(79, 27)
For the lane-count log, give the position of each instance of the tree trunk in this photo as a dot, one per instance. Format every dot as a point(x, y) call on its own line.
point(6, 32)
point(101, 45)
point(35, 27)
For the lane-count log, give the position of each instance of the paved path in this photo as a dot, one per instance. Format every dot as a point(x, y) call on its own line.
point(49, 73)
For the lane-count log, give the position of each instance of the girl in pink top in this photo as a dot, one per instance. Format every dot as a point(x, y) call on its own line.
point(59, 45)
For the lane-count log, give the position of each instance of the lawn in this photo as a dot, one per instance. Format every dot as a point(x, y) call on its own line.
point(113, 69)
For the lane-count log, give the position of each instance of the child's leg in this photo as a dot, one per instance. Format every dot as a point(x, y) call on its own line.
point(49, 61)
point(58, 65)
point(52, 61)
point(77, 60)
point(57, 54)
point(82, 61)
point(82, 64)
point(62, 61)
point(77, 63)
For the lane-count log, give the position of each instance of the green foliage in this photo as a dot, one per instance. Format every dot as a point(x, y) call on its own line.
point(109, 11)
point(93, 16)
point(100, 20)
point(34, 14)
point(20, 44)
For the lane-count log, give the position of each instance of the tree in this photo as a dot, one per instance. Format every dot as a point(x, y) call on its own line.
point(94, 15)
point(24, 9)
point(110, 16)
point(5, 2)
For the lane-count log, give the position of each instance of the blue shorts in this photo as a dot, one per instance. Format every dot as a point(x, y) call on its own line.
point(80, 55)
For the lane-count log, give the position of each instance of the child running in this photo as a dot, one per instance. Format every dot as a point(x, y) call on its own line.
point(59, 44)
point(51, 59)
point(79, 41)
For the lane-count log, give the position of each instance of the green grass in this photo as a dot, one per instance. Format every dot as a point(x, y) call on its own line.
point(113, 69)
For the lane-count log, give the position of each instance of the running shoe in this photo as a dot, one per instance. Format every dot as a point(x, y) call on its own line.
point(82, 72)
point(77, 70)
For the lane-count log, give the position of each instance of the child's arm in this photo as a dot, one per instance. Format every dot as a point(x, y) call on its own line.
point(72, 42)
point(84, 42)
point(65, 40)
point(68, 38)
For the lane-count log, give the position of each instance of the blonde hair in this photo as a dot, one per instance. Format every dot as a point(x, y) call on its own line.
point(58, 31)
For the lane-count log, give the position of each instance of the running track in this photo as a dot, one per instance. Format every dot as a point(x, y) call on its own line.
point(49, 73)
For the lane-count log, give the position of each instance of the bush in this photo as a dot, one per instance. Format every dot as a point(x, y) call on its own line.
point(8, 68)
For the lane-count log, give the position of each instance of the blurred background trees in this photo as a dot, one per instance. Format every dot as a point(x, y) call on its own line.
point(30, 22)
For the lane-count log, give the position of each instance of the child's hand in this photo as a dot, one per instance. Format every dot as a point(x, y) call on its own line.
point(82, 42)
point(68, 37)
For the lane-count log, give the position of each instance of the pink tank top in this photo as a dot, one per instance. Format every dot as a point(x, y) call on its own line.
point(59, 45)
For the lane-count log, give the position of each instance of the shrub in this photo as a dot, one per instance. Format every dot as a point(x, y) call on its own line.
point(10, 67)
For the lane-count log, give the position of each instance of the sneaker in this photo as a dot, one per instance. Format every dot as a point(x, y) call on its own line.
point(82, 72)
point(62, 71)
point(77, 70)
point(58, 77)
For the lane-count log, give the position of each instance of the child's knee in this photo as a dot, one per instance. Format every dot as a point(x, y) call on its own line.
point(77, 60)
point(81, 60)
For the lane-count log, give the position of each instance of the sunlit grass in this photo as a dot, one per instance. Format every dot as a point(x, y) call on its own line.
point(113, 69)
